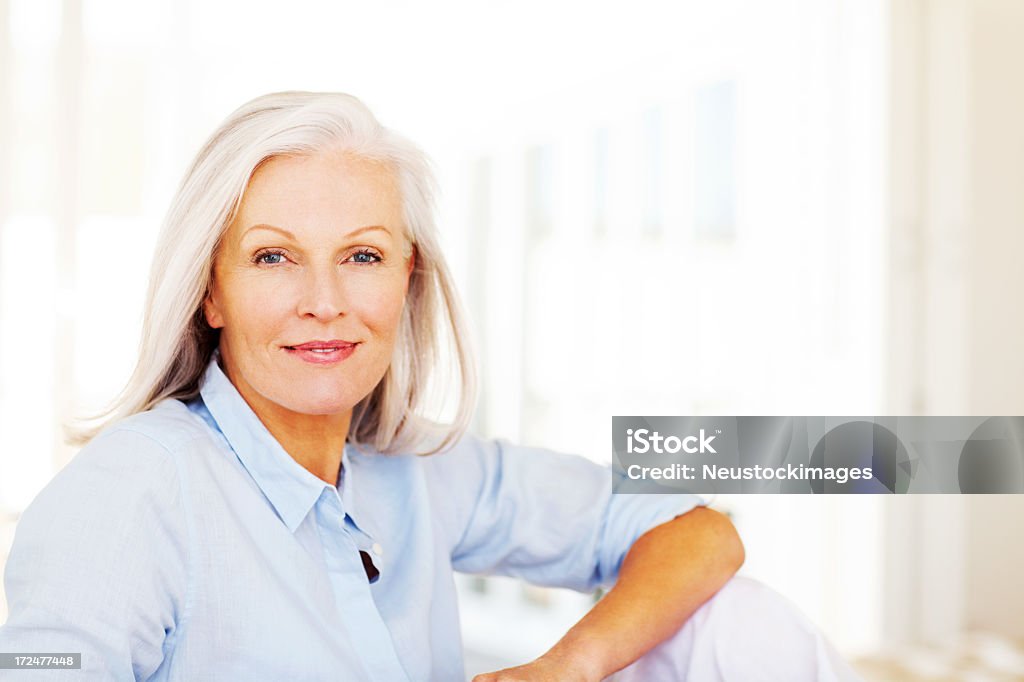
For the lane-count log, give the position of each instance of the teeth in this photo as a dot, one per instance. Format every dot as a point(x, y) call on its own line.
point(323, 350)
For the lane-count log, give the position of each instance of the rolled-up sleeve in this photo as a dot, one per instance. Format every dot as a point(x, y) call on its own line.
point(547, 517)
point(99, 563)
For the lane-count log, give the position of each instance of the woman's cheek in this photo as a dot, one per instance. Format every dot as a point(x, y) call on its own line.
point(257, 309)
point(380, 304)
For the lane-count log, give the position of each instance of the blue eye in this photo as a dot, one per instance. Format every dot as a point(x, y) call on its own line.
point(361, 257)
point(366, 257)
point(275, 257)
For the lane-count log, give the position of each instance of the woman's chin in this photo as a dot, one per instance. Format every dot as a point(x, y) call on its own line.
point(320, 397)
point(314, 400)
point(326, 406)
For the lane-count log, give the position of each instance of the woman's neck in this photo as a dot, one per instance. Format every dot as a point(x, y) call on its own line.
point(316, 441)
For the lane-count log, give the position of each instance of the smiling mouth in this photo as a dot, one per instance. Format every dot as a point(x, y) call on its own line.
point(325, 353)
point(323, 346)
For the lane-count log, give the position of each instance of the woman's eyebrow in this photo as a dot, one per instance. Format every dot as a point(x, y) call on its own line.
point(286, 233)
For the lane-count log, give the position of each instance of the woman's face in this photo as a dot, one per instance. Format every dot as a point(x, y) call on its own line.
point(314, 256)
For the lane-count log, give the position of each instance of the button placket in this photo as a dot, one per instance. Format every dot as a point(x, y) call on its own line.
point(353, 598)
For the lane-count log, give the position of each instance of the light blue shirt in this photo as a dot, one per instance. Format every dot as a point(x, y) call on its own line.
point(185, 544)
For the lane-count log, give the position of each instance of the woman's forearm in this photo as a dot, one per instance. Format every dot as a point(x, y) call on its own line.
point(667, 574)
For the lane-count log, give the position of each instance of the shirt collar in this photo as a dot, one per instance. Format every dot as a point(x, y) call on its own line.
point(290, 487)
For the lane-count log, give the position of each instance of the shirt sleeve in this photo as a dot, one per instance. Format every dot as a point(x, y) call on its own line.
point(98, 563)
point(547, 517)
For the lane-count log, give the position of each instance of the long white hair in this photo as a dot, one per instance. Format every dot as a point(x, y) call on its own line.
point(177, 343)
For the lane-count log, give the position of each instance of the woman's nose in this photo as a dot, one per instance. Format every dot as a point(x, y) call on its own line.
point(323, 293)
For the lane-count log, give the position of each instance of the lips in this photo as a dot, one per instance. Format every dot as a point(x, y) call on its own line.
point(322, 353)
point(322, 346)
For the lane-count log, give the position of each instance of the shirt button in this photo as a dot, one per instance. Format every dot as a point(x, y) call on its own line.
point(377, 549)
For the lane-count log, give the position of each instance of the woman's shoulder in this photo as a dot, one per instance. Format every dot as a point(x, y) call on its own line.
point(136, 453)
point(476, 457)
point(168, 426)
point(126, 469)
point(108, 540)
point(466, 450)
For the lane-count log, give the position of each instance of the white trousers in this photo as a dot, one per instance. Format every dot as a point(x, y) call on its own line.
point(747, 632)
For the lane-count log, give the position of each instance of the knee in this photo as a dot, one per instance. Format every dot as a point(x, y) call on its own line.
point(741, 587)
point(745, 631)
point(753, 627)
point(749, 598)
point(745, 604)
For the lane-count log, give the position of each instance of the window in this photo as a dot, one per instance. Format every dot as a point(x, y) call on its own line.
point(715, 160)
point(540, 190)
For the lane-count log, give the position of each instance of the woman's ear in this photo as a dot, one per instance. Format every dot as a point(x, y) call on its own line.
point(211, 310)
point(412, 260)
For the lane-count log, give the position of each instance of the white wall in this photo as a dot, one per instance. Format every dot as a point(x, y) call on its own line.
point(955, 282)
point(995, 567)
point(995, 550)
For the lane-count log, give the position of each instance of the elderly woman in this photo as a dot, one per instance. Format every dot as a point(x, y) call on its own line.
point(256, 505)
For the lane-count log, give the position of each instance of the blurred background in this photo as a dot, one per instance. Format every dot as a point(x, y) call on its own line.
point(789, 207)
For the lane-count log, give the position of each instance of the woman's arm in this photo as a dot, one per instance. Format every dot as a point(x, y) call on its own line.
point(667, 574)
point(99, 564)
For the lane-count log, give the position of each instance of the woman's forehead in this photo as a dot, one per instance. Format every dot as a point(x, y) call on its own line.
point(321, 173)
point(324, 192)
